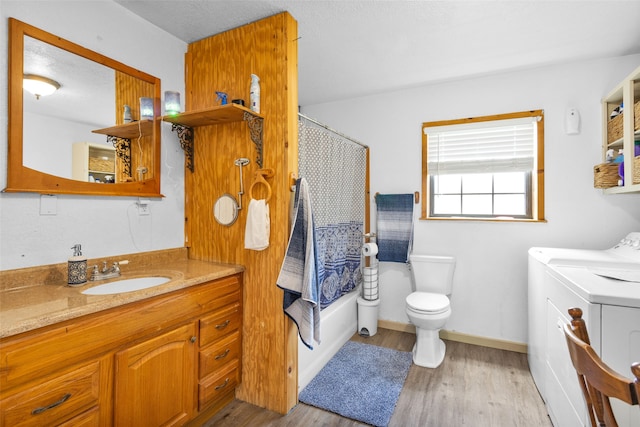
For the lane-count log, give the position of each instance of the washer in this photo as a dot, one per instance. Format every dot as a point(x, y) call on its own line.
point(563, 278)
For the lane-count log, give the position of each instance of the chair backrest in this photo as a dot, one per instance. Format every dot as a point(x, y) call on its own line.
point(597, 380)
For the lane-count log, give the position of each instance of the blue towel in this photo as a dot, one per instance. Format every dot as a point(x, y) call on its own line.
point(298, 274)
point(394, 226)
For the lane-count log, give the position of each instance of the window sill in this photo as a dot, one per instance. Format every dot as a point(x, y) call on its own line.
point(460, 218)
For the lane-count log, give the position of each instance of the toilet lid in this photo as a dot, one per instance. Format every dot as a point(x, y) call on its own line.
point(428, 302)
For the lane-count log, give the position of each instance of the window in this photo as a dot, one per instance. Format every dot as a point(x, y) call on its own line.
point(488, 167)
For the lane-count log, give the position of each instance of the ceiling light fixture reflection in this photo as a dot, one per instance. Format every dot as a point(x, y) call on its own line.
point(39, 86)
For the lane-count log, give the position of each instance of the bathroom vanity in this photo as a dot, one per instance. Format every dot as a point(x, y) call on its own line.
point(168, 355)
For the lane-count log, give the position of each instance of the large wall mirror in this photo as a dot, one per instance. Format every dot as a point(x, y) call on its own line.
point(88, 136)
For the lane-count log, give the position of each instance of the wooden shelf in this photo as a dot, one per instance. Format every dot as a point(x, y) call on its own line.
point(183, 123)
point(220, 114)
point(128, 130)
point(616, 144)
point(629, 188)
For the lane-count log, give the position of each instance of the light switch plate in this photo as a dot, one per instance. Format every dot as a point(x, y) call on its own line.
point(48, 204)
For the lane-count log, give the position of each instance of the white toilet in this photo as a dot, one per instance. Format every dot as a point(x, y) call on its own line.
point(428, 307)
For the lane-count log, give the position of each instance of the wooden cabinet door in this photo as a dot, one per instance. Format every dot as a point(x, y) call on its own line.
point(155, 380)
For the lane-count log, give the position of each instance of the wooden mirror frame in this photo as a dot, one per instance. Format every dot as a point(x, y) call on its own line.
point(24, 179)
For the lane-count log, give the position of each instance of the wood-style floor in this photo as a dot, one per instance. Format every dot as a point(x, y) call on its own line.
point(474, 386)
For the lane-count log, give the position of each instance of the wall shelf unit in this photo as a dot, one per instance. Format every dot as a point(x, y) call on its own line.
point(121, 135)
point(97, 161)
point(184, 123)
point(622, 131)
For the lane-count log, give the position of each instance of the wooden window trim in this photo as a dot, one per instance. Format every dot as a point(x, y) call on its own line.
point(537, 197)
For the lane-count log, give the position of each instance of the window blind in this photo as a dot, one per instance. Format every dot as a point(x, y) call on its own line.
point(483, 147)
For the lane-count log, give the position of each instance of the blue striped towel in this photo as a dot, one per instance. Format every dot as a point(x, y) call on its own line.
point(298, 275)
point(394, 226)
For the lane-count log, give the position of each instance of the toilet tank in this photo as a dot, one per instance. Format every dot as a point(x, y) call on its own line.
point(432, 273)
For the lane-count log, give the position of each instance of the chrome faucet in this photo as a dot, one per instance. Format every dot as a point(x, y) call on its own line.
point(105, 272)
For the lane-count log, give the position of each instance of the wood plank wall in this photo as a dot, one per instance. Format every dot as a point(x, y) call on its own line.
point(224, 62)
point(129, 89)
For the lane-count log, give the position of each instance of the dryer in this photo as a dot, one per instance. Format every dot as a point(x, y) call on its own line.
point(562, 278)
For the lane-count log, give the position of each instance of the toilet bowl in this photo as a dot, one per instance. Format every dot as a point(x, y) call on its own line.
point(428, 308)
point(428, 312)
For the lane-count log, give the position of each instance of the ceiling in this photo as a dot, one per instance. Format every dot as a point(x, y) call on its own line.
point(82, 83)
point(355, 48)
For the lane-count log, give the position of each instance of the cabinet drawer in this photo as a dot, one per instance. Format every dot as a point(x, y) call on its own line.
point(219, 324)
point(89, 418)
point(218, 385)
point(54, 401)
point(217, 355)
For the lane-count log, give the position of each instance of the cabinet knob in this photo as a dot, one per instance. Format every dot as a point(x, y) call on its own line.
point(194, 339)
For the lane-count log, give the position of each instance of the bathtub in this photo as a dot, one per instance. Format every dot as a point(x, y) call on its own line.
point(338, 323)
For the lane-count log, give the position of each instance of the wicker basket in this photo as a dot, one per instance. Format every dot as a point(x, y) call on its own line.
point(636, 170)
point(605, 175)
point(101, 165)
point(614, 126)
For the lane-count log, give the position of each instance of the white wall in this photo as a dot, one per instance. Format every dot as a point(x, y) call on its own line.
point(489, 296)
point(105, 226)
point(51, 150)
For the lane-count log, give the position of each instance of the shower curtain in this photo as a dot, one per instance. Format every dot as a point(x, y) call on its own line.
point(335, 169)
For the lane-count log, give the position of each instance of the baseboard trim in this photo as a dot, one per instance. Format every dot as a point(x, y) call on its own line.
point(396, 326)
point(459, 337)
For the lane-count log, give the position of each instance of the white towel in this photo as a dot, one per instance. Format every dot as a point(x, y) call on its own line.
point(256, 235)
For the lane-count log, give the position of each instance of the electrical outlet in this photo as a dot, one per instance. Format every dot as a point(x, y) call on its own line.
point(143, 207)
point(143, 210)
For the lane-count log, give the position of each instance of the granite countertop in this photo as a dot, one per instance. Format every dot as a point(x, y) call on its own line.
point(35, 297)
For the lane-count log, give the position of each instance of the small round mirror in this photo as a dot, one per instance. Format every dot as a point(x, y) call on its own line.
point(225, 210)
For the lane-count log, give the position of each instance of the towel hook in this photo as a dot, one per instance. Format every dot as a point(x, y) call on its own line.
point(259, 178)
point(240, 163)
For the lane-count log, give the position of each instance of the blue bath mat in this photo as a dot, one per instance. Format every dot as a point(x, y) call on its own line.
point(361, 382)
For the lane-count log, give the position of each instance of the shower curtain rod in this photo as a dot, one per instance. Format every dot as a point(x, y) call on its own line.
point(332, 130)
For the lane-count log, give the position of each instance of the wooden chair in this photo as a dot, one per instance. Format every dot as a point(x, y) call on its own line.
point(597, 380)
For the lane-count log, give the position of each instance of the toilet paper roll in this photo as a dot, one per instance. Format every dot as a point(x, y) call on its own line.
point(369, 249)
point(370, 275)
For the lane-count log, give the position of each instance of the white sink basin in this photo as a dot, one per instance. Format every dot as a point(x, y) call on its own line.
point(126, 285)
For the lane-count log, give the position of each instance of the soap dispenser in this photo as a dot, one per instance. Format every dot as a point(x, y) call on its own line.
point(77, 267)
